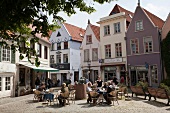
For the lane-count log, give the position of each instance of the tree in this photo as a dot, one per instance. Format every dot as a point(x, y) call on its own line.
point(17, 15)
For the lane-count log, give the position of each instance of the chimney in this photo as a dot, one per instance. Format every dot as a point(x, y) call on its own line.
point(88, 21)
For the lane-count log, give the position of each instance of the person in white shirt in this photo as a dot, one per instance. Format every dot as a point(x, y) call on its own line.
point(89, 84)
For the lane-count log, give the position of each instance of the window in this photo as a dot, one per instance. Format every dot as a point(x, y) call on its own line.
point(118, 49)
point(32, 47)
point(154, 74)
point(86, 55)
point(5, 53)
point(117, 27)
point(51, 58)
point(39, 50)
point(139, 25)
point(45, 52)
point(65, 45)
point(58, 46)
point(7, 83)
point(134, 46)
point(58, 34)
point(107, 51)
point(52, 46)
point(65, 58)
point(0, 84)
point(88, 39)
point(148, 44)
point(22, 76)
point(58, 58)
point(95, 54)
point(106, 30)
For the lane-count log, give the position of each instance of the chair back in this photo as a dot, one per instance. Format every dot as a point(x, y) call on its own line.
point(113, 93)
point(65, 94)
point(36, 92)
point(93, 94)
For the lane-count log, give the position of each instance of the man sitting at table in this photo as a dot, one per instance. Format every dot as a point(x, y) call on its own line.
point(109, 89)
point(64, 89)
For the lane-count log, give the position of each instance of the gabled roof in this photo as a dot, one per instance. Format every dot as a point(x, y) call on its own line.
point(156, 20)
point(96, 31)
point(76, 33)
point(119, 9)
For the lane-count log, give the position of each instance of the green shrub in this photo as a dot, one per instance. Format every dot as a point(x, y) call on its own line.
point(144, 85)
point(166, 82)
point(164, 86)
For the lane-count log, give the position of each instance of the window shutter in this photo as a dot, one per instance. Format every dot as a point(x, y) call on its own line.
point(0, 53)
point(12, 57)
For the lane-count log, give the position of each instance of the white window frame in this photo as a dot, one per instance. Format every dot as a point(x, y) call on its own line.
point(86, 55)
point(148, 40)
point(118, 49)
point(108, 51)
point(154, 74)
point(88, 39)
point(7, 83)
point(94, 54)
point(117, 27)
point(0, 83)
point(6, 57)
point(139, 25)
point(106, 30)
point(58, 58)
point(135, 46)
point(65, 58)
point(51, 58)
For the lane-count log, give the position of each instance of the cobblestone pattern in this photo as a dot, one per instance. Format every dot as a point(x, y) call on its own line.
point(25, 104)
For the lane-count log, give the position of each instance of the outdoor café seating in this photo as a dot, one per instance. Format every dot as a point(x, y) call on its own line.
point(113, 96)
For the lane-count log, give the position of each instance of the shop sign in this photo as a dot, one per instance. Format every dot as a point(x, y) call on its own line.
point(110, 68)
point(113, 60)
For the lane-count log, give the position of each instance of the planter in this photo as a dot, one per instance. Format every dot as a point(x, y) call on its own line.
point(80, 91)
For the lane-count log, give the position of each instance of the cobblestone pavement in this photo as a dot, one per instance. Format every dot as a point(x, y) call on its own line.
point(25, 104)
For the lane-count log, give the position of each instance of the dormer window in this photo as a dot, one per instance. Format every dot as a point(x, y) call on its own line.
point(88, 39)
point(139, 25)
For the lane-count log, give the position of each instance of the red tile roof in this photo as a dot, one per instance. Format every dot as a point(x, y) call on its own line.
point(96, 31)
point(156, 20)
point(119, 9)
point(76, 33)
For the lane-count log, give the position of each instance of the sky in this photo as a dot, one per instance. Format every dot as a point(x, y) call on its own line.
point(160, 8)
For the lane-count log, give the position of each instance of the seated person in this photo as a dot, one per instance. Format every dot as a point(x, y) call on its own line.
point(99, 82)
point(109, 89)
point(105, 86)
point(89, 84)
point(64, 89)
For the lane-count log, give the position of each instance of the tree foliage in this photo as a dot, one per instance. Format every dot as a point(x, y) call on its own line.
point(17, 15)
point(166, 53)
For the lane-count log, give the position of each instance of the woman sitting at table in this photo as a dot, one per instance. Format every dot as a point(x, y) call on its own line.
point(109, 89)
point(64, 89)
point(89, 84)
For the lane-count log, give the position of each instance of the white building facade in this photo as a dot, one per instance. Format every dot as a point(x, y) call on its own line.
point(90, 53)
point(113, 43)
point(65, 52)
point(7, 71)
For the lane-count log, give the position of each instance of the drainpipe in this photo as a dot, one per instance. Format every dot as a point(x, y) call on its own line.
point(161, 59)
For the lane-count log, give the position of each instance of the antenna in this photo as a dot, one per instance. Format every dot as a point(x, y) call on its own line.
point(138, 2)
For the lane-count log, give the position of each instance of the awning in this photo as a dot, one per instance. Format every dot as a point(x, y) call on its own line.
point(40, 68)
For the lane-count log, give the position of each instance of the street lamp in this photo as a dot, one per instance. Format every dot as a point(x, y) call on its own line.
point(89, 64)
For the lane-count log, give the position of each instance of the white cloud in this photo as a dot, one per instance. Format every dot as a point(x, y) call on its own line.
point(160, 11)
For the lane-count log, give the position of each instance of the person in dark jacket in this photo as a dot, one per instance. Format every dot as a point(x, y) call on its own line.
point(37, 83)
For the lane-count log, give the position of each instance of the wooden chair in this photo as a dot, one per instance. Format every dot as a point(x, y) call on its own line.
point(113, 96)
point(72, 96)
point(37, 95)
point(65, 96)
point(122, 91)
point(94, 96)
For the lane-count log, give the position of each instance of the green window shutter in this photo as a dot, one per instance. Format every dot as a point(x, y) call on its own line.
point(0, 53)
point(12, 57)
